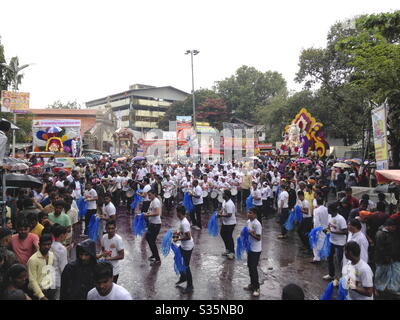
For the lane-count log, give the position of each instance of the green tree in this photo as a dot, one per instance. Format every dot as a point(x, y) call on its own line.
point(249, 89)
point(61, 105)
point(213, 111)
point(185, 108)
point(4, 81)
point(374, 55)
point(13, 72)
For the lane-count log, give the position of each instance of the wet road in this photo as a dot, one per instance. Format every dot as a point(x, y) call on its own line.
point(214, 277)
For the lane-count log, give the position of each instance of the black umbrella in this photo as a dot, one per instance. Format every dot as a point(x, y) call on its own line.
point(21, 181)
point(80, 160)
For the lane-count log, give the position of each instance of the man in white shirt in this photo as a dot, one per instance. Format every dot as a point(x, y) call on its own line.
point(60, 254)
point(228, 215)
point(90, 197)
point(355, 234)
point(338, 229)
point(283, 210)
point(197, 198)
point(320, 219)
point(105, 288)
point(357, 273)
point(266, 195)
point(154, 226)
point(184, 235)
point(257, 200)
point(253, 256)
point(306, 221)
point(108, 211)
point(112, 248)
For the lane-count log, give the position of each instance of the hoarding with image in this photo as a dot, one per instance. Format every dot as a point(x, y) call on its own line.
point(16, 102)
point(379, 124)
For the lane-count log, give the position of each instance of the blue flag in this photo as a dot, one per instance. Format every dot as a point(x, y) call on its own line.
point(187, 202)
point(179, 265)
point(93, 228)
point(328, 293)
point(313, 236)
point(82, 207)
point(139, 225)
point(166, 243)
point(289, 224)
point(213, 225)
point(243, 243)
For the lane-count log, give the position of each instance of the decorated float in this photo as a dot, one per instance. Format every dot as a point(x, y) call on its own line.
point(304, 136)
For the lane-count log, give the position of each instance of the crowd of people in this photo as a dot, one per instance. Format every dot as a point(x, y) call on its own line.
point(46, 252)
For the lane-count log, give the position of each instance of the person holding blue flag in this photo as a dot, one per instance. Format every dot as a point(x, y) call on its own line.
point(358, 274)
point(197, 197)
point(320, 219)
point(228, 215)
point(187, 244)
point(283, 210)
point(253, 256)
point(154, 227)
point(306, 221)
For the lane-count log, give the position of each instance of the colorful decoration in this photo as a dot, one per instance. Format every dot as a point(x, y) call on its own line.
point(304, 135)
point(56, 140)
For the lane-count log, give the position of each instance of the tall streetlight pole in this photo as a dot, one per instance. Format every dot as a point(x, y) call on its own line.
point(193, 53)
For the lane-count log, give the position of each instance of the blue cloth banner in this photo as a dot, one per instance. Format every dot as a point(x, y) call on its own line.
point(249, 202)
point(213, 225)
point(166, 243)
point(179, 265)
point(289, 224)
point(326, 248)
point(136, 200)
point(328, 293)
point(139, 225)
point(243, 243)
point(313, 236)
point(298, 214)
point(342, 292)
point(93, 228)
point(187, 202)
point(82, 207)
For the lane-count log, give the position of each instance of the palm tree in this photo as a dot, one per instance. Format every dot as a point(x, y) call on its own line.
point(13, 72)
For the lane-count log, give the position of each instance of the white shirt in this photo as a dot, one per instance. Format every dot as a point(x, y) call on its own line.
point(337, 223)
point(124, 183)
point(255, 226)
point(283, 196)
point(117, 293)
point(117, 181)
point(304, 205)
point(114, 245)
point(141, 173)
point(256, 194)
point(362, 241)
point(321, 217)
point(362, 273)
point(229, 208)
point(198, 192)
point(91, 203)
point(60, 184)
point(266, 193)
point(60, 260)
point(154, 205)
point(184, 227)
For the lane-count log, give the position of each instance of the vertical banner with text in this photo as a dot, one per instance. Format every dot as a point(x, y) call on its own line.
point(379, 125)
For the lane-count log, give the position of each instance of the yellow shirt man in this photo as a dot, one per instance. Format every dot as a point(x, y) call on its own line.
point(41, 273)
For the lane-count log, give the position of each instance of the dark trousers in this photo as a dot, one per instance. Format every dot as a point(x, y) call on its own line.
point(226, 235)
point(116, 197)
point(338, 250)
point(88, 215)
point(123, 196)
point(245, 195)
point(168, 203)
point(151, 237)
point(195, 216)
point(282, 219)
point(304, 228)
point(259, 210)
point(186, 255)
point(252, 263)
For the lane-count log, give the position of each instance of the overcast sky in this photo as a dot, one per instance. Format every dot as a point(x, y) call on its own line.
point(84, 50)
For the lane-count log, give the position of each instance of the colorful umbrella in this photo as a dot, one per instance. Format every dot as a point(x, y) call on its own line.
point(54, 130)
point(386, 176)
point(342, 165)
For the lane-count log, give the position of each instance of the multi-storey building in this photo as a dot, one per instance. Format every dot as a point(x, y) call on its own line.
point(141, 107)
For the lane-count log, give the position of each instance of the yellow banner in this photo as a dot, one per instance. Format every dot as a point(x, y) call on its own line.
point(17, 102)
point(379, 123)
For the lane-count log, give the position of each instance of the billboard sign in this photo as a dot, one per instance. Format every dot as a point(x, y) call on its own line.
point(16, 102)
